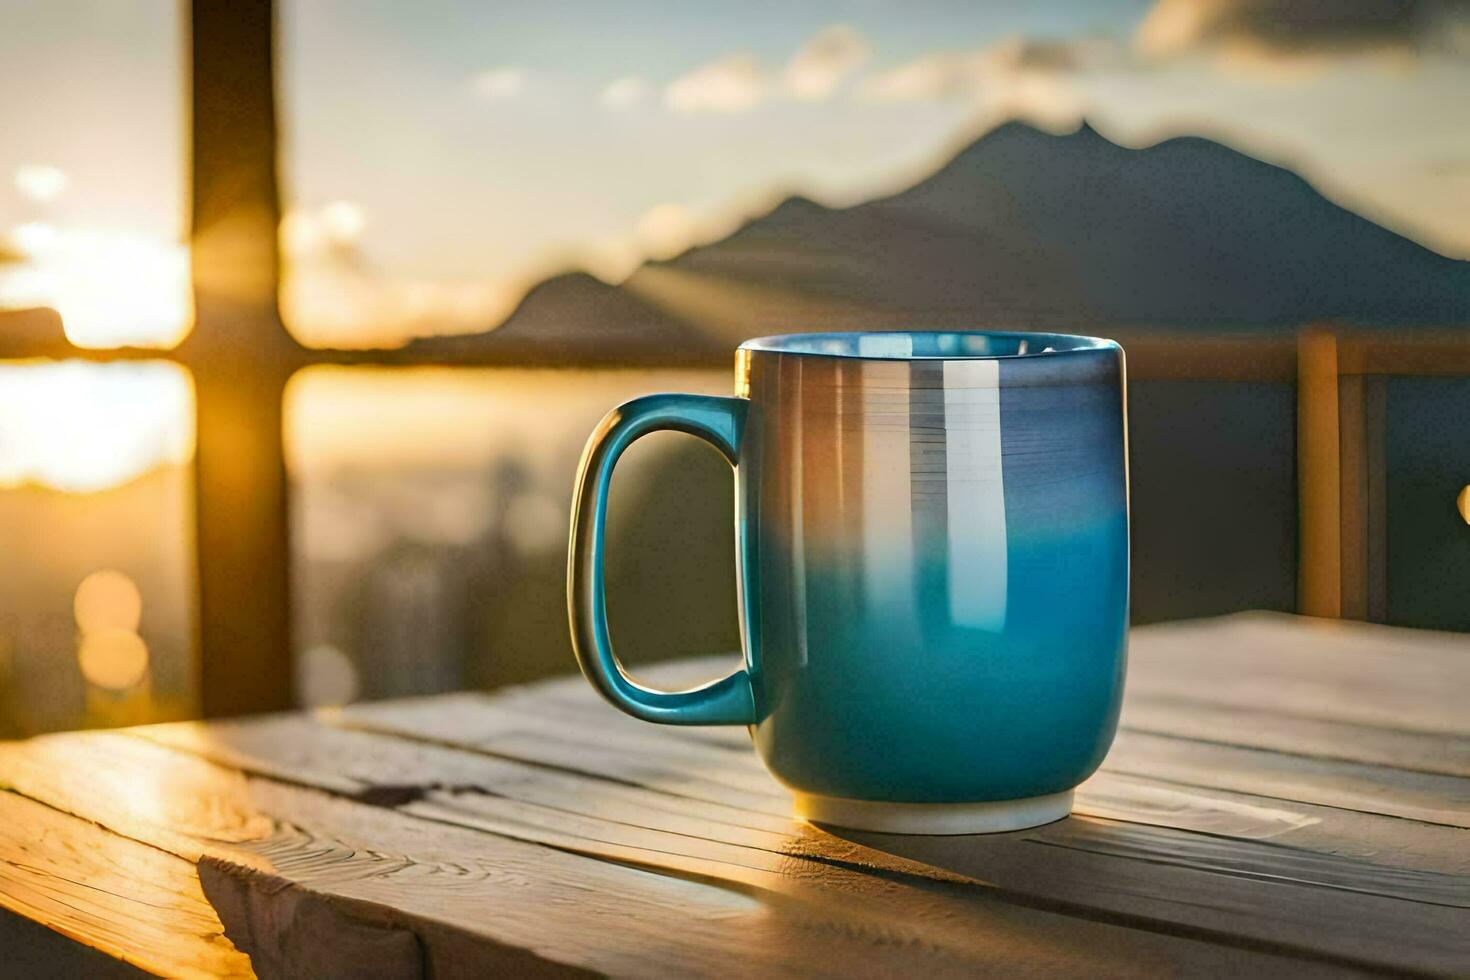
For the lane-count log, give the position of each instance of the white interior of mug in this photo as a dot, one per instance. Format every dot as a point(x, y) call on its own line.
point(907, 345)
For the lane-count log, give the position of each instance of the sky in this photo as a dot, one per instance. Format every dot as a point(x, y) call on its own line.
point(93, 167)
point(439, 158)
point(475, 149)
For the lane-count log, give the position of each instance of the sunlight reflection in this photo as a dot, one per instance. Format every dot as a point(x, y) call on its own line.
point(85, 427)
point(166, 797)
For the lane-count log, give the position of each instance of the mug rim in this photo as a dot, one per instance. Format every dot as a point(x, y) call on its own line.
point(849, 344)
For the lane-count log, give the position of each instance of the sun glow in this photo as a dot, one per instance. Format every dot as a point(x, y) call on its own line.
point(331, 297)
point(83, 427)
point(112, 288)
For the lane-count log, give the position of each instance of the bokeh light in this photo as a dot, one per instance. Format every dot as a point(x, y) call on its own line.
point(108, 608)
point(115, 659)
point(325, 677)
point(107, 600)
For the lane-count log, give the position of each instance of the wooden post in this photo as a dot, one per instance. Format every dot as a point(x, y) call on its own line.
point(1353, 495)
point(240, 357)
point(1319, 479)
point(1364, 495)
point(1374, 527)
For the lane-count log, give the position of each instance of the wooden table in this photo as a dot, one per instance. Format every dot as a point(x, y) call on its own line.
point(1285, 796)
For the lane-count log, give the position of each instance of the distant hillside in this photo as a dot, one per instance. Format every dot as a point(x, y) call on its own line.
point(1025, 229)
point(576, 309)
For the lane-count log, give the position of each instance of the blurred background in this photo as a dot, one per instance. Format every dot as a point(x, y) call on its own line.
point(307, 308)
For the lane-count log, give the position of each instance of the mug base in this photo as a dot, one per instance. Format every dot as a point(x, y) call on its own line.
point(934, 819)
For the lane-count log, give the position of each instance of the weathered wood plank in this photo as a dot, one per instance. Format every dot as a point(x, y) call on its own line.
point(1331, 670)
point(291, 748)
point(1369, 837)
point(1175, 783)
point(132, 902)
point(1427, 797)
point(472, 899)
point(1324, 905)
point(1191, 718)
point(1263, 811)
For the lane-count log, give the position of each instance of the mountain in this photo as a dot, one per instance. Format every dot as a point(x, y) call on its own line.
point(569, 311)
point(1026, 229)
point(34, 332)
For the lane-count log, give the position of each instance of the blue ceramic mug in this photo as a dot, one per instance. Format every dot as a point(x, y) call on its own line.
point(933, 570)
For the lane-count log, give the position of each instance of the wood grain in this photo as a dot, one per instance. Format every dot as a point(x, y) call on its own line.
point(474, 898)
point(1191, 718)
point(1426, 797)
point(1331, 670)
point(1149, 778)
point(1159, 877)
point(106, 892)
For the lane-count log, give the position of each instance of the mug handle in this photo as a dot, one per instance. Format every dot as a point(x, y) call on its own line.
point(720, 422)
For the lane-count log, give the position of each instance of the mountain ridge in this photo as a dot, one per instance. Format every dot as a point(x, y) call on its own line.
point(1024, 229)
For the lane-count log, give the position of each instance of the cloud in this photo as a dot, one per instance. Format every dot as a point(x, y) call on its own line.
point(1297, 28)
point(825, 61)
point(1274, 40)
point(935, 77)
point(990, 73)
point(625, 92)
point(1022, 54)
point(734, 83)
point(338, 226)
point(40, 182)
point(499, 84)
point(739, 82)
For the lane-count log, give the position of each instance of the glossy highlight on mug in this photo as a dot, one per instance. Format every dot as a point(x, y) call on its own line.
point(933, 547)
